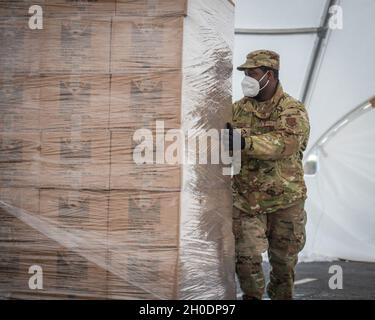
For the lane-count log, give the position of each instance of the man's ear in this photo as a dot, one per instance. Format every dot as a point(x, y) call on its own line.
point(272, 75)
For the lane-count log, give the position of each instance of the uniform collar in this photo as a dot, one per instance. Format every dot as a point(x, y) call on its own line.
point(264, 109)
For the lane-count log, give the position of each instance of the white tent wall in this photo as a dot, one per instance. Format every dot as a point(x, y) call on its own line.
point(340, 205)
point(295, 50)
point(345, 77)
point(260, 14)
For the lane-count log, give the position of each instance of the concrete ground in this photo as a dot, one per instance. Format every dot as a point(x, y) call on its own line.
point(312, 281)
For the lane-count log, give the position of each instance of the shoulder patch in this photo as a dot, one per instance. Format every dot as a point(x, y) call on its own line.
point(291, 122)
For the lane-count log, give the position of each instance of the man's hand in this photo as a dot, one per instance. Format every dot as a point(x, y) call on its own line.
point(232, 134)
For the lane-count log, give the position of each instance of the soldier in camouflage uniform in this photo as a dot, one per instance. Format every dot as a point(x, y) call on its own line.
point(269, 192)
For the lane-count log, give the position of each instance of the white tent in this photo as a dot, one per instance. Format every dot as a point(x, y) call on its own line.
point(327, 49)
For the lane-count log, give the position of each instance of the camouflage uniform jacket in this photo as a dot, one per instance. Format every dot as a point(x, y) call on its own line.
point(276, 134)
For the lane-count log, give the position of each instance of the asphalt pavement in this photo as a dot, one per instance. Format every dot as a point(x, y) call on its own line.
point(313, 281)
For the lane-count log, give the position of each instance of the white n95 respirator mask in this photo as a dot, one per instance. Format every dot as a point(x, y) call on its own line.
point(251, 86)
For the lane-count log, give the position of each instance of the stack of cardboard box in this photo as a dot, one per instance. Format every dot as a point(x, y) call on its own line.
point(73, 200)
point(72, 95)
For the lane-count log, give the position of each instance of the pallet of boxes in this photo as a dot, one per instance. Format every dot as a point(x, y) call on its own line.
point(79, 218)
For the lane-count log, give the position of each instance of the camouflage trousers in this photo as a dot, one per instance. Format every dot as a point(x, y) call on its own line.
point(282, 233)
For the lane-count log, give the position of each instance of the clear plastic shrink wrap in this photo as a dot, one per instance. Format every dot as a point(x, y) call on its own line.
point(72, 199)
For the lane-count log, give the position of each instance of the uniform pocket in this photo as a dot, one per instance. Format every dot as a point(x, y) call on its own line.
point(299, 227)
point(287, 230)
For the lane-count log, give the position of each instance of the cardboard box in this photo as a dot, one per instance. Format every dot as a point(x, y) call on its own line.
point(84, 8)
point(127, 174)
point(75, 159)
point(19, 159)
point(60, 8)
point(19, 120)
point(77, 45)
point(143, 218)
point(18, 234)
point(75, 210)
point(12, 9)
point(142, 45)
point(77, 220)
point(20, 46)
point(19, 147)
point(66, 275)
point(143, 273)
point(151, 7)
point(19, 102)
point(142, 244)
point(18, 200)
point(138, 101)
point(74, 102)
point(20, 174)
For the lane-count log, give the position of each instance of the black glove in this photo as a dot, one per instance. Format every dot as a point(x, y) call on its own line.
point(230, 128)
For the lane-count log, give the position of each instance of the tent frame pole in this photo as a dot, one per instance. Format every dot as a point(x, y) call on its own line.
point(279, 31)
point(317, 51)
